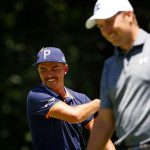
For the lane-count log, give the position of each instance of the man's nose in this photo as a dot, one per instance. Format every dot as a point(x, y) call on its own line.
point(49, 73)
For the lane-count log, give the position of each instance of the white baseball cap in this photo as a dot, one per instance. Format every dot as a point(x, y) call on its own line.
point(105, 9)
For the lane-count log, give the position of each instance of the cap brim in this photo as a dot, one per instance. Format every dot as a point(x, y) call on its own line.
point(35, 64)
point(90, 23)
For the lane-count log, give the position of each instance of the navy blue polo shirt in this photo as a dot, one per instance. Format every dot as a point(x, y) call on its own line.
point(49, 133)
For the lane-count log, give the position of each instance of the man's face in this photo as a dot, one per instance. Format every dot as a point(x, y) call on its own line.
point(116, 29)
point(52, 74)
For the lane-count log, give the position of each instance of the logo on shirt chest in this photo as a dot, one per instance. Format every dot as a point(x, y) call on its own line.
point(52, 100)
point(143, 60)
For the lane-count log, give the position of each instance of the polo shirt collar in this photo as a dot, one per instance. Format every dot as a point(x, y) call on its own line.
point(139, 41)
point(69, 96)
point(141, 38)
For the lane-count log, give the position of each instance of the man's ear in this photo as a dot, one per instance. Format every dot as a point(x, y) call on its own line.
point(130, 13)
point(66, 69)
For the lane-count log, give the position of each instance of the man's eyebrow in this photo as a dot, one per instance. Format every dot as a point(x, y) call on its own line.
point(55, 66)
point(42, 68)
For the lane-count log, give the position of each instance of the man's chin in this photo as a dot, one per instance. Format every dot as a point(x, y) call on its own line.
point(50, 86)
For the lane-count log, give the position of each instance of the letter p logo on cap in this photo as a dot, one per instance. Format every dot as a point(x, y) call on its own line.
point(46, 53)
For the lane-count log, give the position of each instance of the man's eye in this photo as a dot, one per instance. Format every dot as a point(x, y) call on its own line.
point(110, 22)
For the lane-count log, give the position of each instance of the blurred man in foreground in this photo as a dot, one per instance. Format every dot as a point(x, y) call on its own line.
point(125, 83)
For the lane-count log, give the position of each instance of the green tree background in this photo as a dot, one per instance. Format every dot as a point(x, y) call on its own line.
point(25, 27)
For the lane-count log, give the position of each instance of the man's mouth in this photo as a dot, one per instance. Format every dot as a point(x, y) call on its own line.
point(50, 79)
point(111, 36)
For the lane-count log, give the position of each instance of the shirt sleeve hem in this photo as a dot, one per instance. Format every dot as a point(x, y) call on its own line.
point(48, 114)
point(93, 120)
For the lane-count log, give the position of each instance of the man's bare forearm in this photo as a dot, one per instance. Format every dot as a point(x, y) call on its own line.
point(99, 136)
point(87, 110)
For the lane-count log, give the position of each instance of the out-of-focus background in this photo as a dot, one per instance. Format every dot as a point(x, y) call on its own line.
point(25, 27)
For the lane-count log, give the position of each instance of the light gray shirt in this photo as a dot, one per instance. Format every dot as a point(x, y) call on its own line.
point(125, 88)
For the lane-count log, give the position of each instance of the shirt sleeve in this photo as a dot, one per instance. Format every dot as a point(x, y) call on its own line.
point(104, 96)
point(41, 103)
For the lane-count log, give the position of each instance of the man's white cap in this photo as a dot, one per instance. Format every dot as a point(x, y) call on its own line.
point(105, 9)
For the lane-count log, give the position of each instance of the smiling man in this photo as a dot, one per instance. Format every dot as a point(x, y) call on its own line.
point(57, 114)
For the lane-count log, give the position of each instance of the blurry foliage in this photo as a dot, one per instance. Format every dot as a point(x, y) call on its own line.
point(27, 26)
